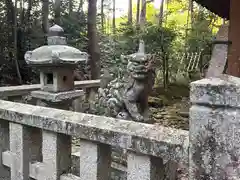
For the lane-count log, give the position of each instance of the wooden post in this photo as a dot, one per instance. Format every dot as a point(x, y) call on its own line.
point(219, 54)
point(234, 37)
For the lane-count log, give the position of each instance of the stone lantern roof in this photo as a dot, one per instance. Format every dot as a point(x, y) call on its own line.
point(56, 53)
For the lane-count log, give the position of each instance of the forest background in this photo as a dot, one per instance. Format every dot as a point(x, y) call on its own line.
point(106, 29)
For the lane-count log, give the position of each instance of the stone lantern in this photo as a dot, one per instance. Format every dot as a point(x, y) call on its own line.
point(56, 63)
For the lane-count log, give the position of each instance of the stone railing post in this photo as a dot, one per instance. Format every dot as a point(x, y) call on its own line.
point(24, 148)
point(143, 167)
point(214, 151)
point(19, 154)
point(95, 160)
point(56, 157)
point(4, 146)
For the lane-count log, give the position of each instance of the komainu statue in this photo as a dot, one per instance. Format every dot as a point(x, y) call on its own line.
point(129, 100)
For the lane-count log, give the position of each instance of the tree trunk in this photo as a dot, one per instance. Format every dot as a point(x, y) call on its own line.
point(187, 25)
point(80, 6)
point(27, 23)
point(114, 19)
point(15, 55)
point(167, 5)
point(161, 13)
point(57, 11)
point(130, 11)
point(28, 14)
point(70, 8)
point(138, 12)
point(21, 9)
point(10, 20)
point(45, 13)
point(102, 15)
point(93, 47)
point(108, 24)
point(143, 15)
point(191, 11)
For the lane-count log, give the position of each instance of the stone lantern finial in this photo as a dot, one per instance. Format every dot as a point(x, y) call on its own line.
point(56, 30)
point(141, 49)
point(56, 36)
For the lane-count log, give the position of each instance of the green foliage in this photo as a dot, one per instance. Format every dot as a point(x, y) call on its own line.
point(200, 35)
point(75, 27)
point(157, 39)
point(175, 36)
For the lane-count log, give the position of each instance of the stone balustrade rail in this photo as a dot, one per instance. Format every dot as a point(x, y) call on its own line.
point(36, 143)
point(9, 91)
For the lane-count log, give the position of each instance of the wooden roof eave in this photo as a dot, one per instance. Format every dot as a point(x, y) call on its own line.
point(219, 7)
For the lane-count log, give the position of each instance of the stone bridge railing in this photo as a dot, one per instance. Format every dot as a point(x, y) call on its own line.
point(15, 92)
point(36, 141)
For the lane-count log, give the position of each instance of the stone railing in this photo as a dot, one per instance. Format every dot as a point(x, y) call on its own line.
point(36, 142)
point(15, 93)
point(18, 91)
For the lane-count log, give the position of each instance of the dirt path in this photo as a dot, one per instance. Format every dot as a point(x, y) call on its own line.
point(173, 115)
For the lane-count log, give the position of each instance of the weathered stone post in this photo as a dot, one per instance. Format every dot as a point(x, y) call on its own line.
point(4, 146)
point(214, 152)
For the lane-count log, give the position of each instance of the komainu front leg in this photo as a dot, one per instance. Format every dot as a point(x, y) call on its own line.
point(144, 108)
point(130, 98)
point(132, 108)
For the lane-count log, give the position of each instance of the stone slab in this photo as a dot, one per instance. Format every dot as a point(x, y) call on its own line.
point(57, 97)
point(18, 90)
point(167, 143)
point(219, 91)
point(26, 89)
